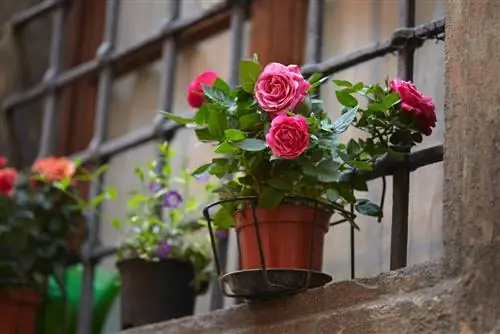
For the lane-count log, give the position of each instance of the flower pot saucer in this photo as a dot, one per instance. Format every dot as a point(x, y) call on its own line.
point(252, 284)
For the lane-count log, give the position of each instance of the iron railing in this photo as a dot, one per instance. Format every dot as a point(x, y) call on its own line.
point(110, 63)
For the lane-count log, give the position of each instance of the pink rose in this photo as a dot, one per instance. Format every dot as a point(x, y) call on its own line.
point(288, 137)
point(416, 103)
point(280, 88)
point(195, 96)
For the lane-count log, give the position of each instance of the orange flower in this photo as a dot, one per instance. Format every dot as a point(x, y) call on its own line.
point(54, 169)
point(8, 178)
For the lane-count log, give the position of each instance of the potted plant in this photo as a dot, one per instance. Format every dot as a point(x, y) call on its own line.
point(39, 211)
point(282, 148)
point(163, 262)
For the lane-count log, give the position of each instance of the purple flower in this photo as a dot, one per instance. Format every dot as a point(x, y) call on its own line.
point(163, 249)
point(172, 199)
point(221, 234)
point(155, 187)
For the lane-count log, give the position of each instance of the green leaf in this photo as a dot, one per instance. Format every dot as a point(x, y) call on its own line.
point(177, 119)
point(343, 122)
point(353, 148)
point(201, 115)
point(234, 134)
point(116, 223)
point(218, 95)
point(391, 100)
point(248, 121)
point(358, 182)
point(202, 169)
point(346, 99)
point(328, 171)
point(223, 218)
point(217, 122)
point(222, 85)
point(357, 87)
point(204, 135)
point(377, 107)
point(332, 195)
point(226, 148)
point(111, 193)
point(316, 80)
point(251, 144)
point(280, 183)
point(249, 72)
point(219, 170)
point(270, 198)
point(346, 192)
point(365, 207)
point(363, 165)
point(342, 83)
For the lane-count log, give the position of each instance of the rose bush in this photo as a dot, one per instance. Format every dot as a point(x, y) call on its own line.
point(277, 142)
point(40, 209)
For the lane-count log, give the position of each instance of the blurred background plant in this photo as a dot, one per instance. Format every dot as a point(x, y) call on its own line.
point(180, 233)
point(41, 210)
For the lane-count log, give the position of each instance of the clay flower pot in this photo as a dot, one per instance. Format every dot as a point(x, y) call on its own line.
point(19, 310)
point(285, 233)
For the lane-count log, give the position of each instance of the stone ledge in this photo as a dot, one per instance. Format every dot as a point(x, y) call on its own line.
point(360, 304)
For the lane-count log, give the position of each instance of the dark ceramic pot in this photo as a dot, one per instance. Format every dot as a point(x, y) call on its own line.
point(155, 291)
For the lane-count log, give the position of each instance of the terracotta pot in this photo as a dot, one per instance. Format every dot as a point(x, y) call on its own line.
point(19, 310)
point(285, 233)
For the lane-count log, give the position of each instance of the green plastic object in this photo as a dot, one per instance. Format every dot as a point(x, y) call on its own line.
point(106, 289)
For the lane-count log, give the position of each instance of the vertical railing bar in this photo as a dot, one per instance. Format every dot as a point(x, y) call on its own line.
point(104, 52)
point(315, 18)
point(166, 96)
point(401, 178)
point(48, 133)
point(238, 16)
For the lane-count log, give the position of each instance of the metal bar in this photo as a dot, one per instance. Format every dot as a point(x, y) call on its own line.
point(123, 143)
point(402, 36)
point(401, 178)
point(238, 16)
point(100, 128)
point(21, 19)
point(167, 89)
point(93, 66)
point(48, 136)
point(429, 30)
point(315, 18)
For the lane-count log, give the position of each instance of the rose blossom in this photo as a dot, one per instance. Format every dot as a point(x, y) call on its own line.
point(195, 96)
point(280, 88)
point(3, 161)
point(54, 169)
point(288, 137)
point(416, 103)
point(8, 177)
